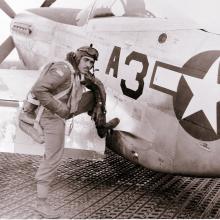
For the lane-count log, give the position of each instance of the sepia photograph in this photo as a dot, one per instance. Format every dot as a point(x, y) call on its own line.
point(109, 109)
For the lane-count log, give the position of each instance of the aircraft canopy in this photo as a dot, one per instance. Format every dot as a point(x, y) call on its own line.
point(129, 8)
point(118, 8)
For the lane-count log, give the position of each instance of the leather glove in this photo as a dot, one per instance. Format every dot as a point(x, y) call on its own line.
point(99, 116)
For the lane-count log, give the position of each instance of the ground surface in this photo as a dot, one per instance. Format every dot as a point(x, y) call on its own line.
point(112, 188)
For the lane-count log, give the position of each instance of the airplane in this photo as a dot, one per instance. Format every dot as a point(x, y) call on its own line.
point(161, 78)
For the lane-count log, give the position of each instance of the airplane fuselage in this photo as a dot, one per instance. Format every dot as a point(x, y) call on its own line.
point(161, 81)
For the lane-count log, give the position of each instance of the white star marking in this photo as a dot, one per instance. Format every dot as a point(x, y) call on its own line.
point(206, 94)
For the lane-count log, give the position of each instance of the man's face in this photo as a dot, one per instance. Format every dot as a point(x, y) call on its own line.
point(85, 64)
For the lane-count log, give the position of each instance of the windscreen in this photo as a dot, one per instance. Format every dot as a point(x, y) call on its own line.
point(128, 8)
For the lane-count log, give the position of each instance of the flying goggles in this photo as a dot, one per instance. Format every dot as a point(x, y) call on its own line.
point(90, 51)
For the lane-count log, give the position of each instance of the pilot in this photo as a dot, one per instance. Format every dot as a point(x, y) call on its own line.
point(67, 79)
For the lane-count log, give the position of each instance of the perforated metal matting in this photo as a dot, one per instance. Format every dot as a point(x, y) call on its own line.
point(112, 188)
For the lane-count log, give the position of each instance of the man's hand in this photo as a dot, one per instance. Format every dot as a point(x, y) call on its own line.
point(59, 108)
point(63, 110)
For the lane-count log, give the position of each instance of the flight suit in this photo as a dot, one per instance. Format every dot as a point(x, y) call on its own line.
point(57, 79)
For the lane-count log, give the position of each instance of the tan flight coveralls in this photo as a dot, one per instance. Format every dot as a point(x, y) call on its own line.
point(57, 79)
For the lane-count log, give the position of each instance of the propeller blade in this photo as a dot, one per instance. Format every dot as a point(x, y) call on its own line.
point(7, 9)
point(47, 3)
point(6, 48)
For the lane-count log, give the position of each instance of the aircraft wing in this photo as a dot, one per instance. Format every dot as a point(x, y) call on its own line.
point(15, 84)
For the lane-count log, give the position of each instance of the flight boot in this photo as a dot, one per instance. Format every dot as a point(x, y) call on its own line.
point(45, 210)
point(103, 130)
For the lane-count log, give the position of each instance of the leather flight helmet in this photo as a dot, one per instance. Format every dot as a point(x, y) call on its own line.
point(89, 51)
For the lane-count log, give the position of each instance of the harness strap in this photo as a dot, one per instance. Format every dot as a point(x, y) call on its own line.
point(31, 99)
point(41, 108)
point(39, 114)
